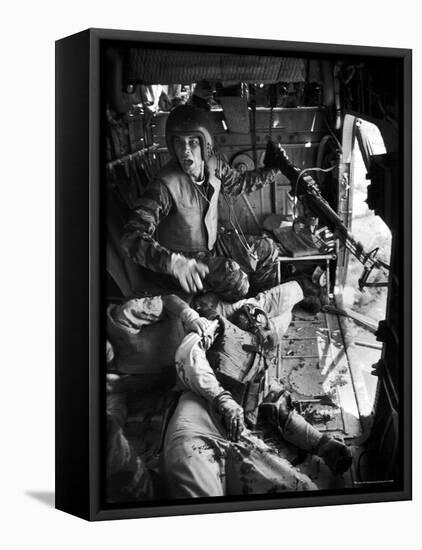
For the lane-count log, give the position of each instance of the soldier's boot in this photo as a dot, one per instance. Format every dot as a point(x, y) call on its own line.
point(296, 430)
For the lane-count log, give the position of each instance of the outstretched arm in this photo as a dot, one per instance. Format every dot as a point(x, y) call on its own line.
point(191, 320)
point(139, 243)
point(196, 374)
point(234, 182)
point(193, 368)
point(132, 315)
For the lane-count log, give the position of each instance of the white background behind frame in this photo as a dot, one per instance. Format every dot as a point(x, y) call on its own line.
point(29, 30)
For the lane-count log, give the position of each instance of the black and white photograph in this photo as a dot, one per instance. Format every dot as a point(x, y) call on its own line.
point(211, 304)
point(253, 280)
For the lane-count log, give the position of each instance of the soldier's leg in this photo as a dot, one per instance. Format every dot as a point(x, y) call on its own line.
point(254, 468)
point(278, 300)
point(199, 461)
point(275, 301)
point(298, 431)
point(194, 451)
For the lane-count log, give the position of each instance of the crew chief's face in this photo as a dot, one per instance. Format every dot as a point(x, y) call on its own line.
point(188, 153)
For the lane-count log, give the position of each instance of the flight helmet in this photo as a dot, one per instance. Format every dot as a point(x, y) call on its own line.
point(188, 120)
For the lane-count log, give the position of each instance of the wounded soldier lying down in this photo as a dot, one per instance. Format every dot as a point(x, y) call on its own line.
point(143, 335)
point(208, 449)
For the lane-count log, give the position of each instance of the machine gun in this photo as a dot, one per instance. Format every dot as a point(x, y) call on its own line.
point(303, 185)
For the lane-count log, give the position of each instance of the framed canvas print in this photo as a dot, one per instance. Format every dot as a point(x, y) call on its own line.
point(233, 274)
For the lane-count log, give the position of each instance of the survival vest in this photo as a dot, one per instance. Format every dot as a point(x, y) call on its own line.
point(239, 366)
point(191, 226)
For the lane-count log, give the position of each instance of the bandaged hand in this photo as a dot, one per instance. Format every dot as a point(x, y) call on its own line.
point(188, 272)
point(192, 322)
point(231, 414)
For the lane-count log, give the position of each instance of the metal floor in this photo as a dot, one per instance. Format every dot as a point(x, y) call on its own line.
point(313, 365)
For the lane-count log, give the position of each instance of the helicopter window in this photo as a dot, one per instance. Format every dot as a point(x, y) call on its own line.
point(373, 233)
point(367, 227)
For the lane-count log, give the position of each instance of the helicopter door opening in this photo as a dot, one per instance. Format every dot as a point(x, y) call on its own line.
point(367, 304)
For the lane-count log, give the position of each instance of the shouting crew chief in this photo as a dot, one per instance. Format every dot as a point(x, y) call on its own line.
point(173, 229)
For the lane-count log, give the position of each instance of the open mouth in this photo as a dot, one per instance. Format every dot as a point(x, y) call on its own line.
point(187, 162)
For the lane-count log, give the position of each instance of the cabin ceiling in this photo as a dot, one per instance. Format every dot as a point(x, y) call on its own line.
point(159, 66)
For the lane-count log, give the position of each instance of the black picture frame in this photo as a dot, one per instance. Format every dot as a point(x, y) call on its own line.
point(79, 280)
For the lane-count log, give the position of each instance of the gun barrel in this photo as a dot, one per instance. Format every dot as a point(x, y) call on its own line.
point(305, 185)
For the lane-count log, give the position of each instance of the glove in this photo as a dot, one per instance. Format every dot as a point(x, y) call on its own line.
point(232, 415)
point(192, 322)
point(188, 272)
